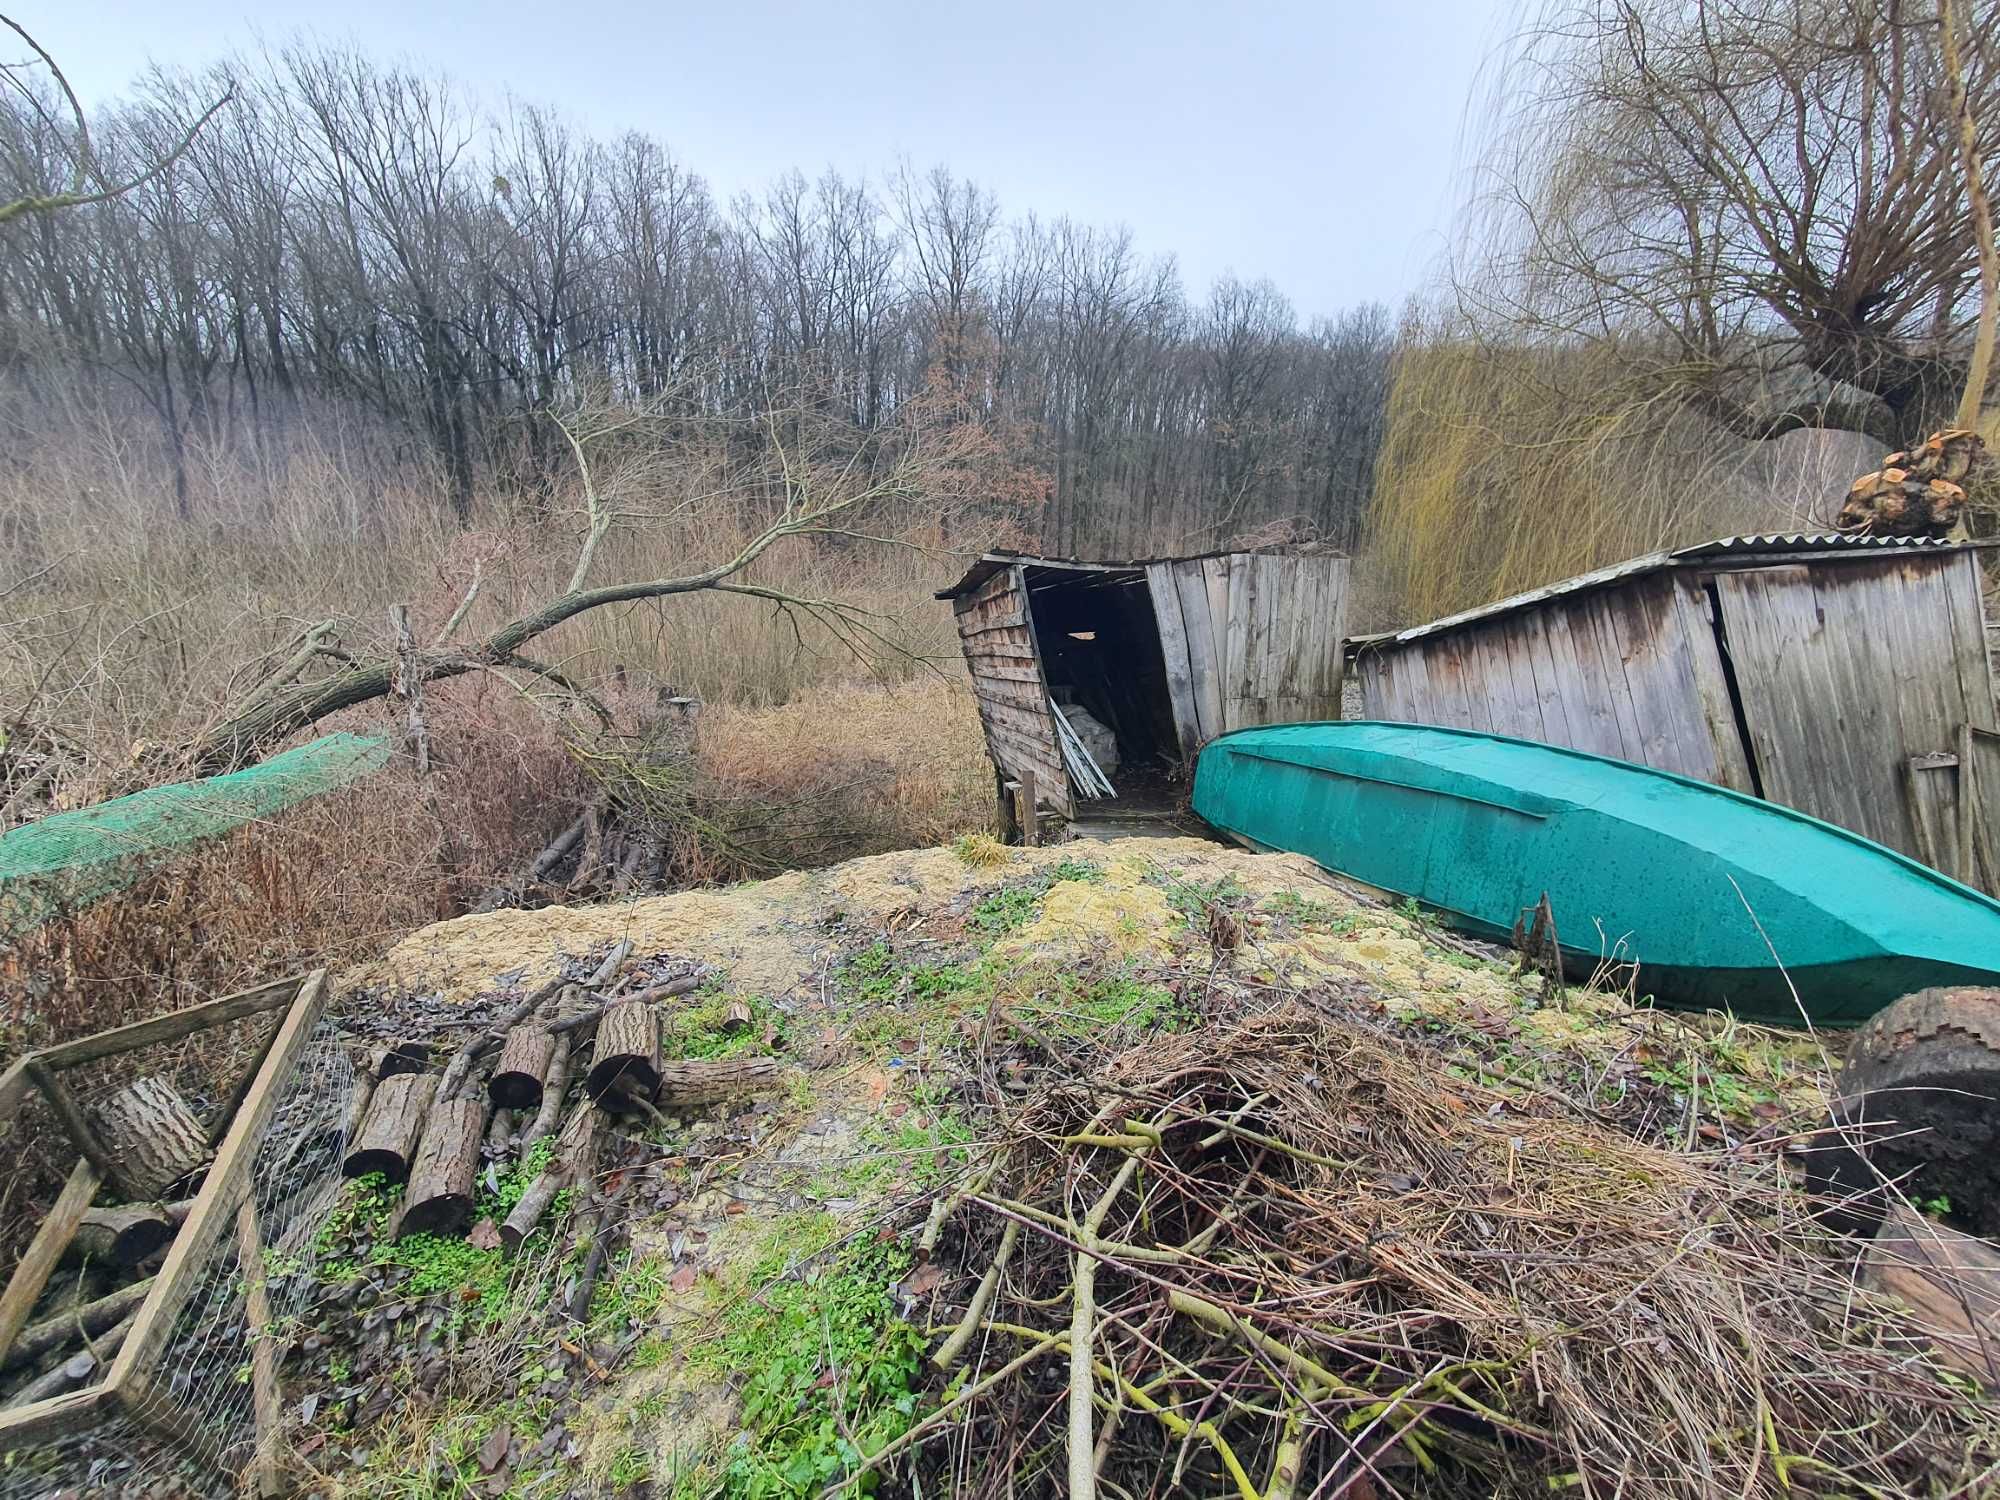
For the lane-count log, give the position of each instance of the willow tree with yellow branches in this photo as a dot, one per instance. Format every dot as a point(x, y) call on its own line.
point(1696, 227)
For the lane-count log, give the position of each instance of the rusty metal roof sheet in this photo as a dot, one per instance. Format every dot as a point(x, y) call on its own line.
point(1805, 545)
point(992, 562)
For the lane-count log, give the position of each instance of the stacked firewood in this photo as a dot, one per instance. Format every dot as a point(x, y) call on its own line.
point(63, 1321)
point(1921, 493)
point(624, 838)
point(570, 1062)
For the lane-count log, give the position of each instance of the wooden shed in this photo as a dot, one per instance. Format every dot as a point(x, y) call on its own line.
point(1844, 676)
point(1164, 653)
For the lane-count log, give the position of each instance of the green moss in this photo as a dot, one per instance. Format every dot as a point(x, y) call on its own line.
point(1015, 906)
point(695, 1030)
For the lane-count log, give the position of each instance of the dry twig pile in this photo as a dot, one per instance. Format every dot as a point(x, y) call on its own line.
point(1288, 1257)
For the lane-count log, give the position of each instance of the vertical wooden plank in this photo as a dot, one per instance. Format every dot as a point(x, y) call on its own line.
point(266, 1399)
point(1215, 581)
point(1235, 668)
point(1552, 714)
point(1692, 622)
point(1166, 598)
point(1608, 650)
point(52, 1237)
point(1204, 671)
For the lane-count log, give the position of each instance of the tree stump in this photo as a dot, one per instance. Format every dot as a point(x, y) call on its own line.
point(126, 1235)
point(439, 1199)
point(691, 1084)
point(153, 1138)
point(522, 1069)
point(628, 1055)
point(389, 1131)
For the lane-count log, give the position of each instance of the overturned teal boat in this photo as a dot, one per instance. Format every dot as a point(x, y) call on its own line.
point(1723, 901)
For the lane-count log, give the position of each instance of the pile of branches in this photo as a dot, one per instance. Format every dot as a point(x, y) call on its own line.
point(1285, 1256)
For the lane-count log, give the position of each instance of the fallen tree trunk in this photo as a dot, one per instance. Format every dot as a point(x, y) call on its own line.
point(525, 1058)
point(87, 1321)
point(686, 1085)
point(389, 1133)
point(126, 1234)
point(439, 1200)
point(628, 1054)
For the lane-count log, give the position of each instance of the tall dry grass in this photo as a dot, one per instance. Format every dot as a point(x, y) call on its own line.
point(123, 625)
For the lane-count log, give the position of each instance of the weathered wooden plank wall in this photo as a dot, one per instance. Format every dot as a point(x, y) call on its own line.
point(1856, 678)
point(998, 638)
point(1631, 672)
point(1254, 636)
point(1857, 681)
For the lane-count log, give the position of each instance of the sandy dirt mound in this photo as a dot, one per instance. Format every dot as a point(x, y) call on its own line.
point(770, 938)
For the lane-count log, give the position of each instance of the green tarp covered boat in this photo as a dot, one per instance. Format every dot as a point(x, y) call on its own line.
point(1706, 889)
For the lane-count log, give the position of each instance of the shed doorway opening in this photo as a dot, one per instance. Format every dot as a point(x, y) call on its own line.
point(1099, 643)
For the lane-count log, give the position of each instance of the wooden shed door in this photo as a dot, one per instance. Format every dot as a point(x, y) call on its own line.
point(1854, 709)
point(999, 642)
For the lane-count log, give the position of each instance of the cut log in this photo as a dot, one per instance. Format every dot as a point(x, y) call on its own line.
point(524, 1064)
point(689, 1084)
point(389, 1132)
point(439, 1200)
point(628, 1055)
point(399, 1057)
point(552, 1097)
point(735, 1018)
point(153, 1137)
point(1951, 1284)
point(38, 1340)
point(357, 1106)
point(127, 1234)
point(574, 1163)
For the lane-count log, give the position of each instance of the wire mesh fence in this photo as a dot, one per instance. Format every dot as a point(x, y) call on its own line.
point(180, 1414)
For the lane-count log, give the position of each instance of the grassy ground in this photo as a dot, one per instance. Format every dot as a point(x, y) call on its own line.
point(764, 1324)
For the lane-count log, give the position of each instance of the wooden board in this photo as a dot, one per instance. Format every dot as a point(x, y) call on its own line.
point(997, 637)
point(1204, 668)
point(1851, 680)
point(1167, 615)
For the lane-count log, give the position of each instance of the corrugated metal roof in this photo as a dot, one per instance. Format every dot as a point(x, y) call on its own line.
point(1805, 544)
point(992, 562)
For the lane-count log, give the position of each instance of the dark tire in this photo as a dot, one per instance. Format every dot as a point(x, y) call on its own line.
point(1918, 1104)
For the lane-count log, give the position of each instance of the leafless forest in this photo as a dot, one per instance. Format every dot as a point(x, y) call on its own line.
point(354, 242)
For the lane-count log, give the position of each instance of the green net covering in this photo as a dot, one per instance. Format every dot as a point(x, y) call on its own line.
point(68, 860)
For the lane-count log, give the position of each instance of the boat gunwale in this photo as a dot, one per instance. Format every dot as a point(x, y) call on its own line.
point(1758, 804)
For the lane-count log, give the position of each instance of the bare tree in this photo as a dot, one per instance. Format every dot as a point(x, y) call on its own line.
point(816, 479)
point(87, 181)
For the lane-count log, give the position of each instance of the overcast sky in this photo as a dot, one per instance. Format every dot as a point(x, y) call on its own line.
point(1311, 143)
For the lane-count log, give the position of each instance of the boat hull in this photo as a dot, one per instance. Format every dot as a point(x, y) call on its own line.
point(1722, 900)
